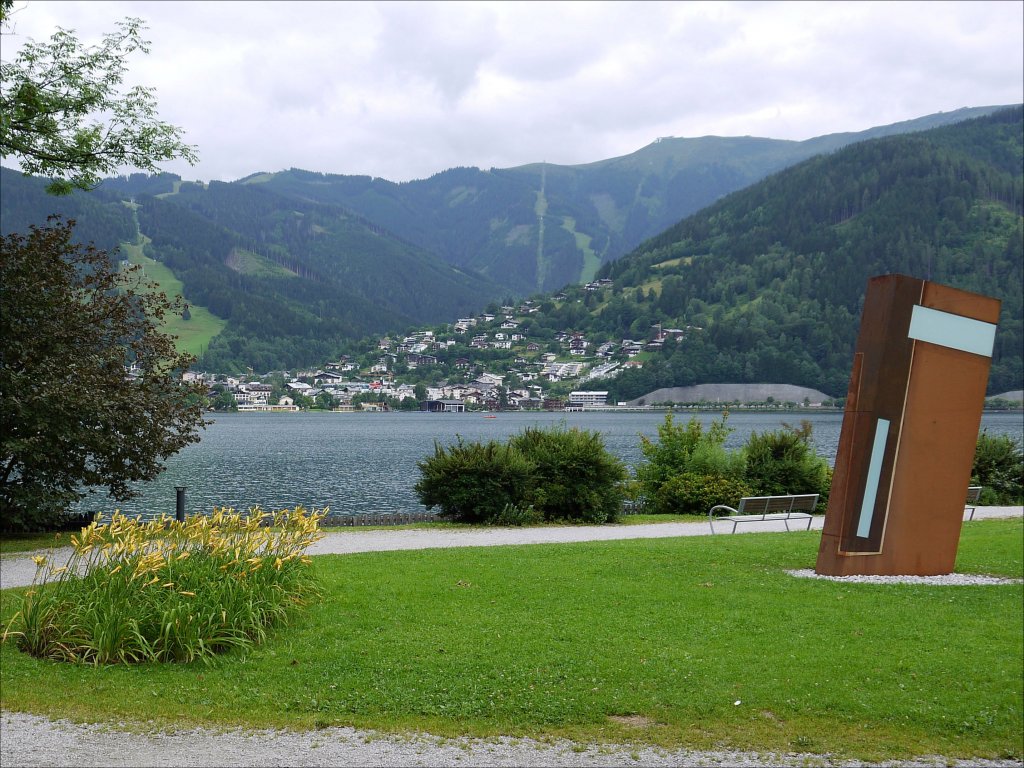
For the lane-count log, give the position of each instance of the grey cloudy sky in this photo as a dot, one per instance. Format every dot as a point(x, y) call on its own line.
point(404, 90)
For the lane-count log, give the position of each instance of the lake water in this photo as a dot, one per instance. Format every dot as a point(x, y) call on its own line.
point(361, 463)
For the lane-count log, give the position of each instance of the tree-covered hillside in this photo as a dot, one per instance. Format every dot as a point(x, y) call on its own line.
point(768, 282)
point(764, 285)
point(296, 282)
point(25, 202)
point(538, 227)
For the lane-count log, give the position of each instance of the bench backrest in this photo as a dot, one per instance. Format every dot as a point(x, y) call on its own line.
point(763, 505)
point(973, 494)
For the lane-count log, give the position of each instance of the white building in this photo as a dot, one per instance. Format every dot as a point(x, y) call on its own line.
point(585, 398)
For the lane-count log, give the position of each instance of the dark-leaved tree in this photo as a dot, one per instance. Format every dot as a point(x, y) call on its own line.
point(91, 391)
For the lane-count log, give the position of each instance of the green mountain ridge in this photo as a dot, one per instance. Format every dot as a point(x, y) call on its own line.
point(774, 275)
point(315, 279)
point(485, 220)
point(763, 282)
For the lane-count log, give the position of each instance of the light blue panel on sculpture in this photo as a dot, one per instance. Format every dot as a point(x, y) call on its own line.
point(867, 507)
point(954, 331)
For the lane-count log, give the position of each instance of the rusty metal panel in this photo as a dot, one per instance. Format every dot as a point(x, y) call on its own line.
point(911, 423)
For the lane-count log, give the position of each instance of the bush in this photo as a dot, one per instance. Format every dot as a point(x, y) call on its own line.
point(682, 449)
point(784, 462)
point(540, 474)
point(136, 592)
point(688, 470)
point(575, 478)
point(513, 515)
point(695, 494)
point(474, 482)
point(999, 469)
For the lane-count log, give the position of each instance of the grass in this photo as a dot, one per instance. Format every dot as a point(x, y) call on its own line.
point(13, 543)
point(248, 263)
point(193, 335)
point(647, 519)
point(696, 641)
point(591, 260)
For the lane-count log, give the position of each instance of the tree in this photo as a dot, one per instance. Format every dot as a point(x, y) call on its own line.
point(221, 399)
point(91, 393)
point(62, 116)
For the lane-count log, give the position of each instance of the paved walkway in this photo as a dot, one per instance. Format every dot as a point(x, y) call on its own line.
point(18, 570)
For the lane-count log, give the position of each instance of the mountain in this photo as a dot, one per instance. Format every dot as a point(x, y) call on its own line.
point(293, 283)
point(767, 284)
point(763, 284)
point(541, 226)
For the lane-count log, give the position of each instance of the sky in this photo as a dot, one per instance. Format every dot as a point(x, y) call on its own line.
point(403, 90)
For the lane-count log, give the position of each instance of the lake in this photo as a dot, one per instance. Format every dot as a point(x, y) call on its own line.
point(361, 463)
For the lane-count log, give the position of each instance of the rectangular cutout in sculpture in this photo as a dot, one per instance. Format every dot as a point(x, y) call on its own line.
point(952, 331)
point(911, 422)
point(867, 508)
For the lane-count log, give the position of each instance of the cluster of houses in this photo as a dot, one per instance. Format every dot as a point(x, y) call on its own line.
point(521, 388)
point(485, 391)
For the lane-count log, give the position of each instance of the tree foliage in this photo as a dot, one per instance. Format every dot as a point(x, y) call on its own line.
point(62, 114)
point(71, 326)
point(687, 465)
point(999, 468)
point(783, 462)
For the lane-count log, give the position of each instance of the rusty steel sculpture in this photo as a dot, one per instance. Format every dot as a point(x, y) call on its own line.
point(913, 409)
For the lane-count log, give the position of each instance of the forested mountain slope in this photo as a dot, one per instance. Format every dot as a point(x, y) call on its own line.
point(24, 202)
point(769, 282)
point(296, 282)
point(764, 285)
point(541, 226)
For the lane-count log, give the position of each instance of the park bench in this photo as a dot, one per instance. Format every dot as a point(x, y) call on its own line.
point(973, 494)
point(755, 509)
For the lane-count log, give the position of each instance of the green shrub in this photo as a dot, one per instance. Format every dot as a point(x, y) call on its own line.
point(685, 449)
point(695, 494)
point(540, 474)
point(575, 477)
point(517, 515)
point(999, 469)
point(783, 462)
point(474, 482)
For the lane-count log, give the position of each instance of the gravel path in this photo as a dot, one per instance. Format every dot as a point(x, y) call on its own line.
point(31, 740)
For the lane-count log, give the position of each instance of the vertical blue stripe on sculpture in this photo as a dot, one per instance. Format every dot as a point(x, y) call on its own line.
point(954, 331)
point(867, 507)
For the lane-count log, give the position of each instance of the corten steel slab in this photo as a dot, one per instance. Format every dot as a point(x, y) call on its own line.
point(913, 409)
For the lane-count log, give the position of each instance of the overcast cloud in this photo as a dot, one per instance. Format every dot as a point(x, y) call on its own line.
point(404, 90)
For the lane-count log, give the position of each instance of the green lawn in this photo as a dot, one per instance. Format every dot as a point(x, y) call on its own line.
point(26, 542)
point(695, 641)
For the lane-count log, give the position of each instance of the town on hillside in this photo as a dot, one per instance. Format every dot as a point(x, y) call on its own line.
point(488, 362)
